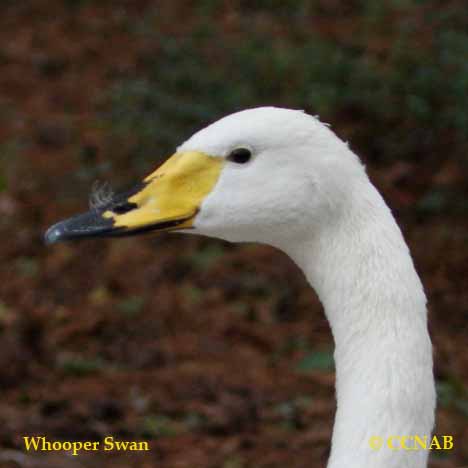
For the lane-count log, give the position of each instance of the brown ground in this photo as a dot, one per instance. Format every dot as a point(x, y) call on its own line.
point(189, 343)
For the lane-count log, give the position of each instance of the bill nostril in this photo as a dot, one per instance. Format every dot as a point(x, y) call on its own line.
point(124, 208)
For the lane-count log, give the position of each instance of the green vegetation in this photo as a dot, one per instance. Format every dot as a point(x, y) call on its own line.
point(388, 77)
point(192, 293)
point(74, 365)
point(234, 462)
point(290, 412)
point(316, 360)
point(451, 393)
point(27, 266)
point(9, 153)
point(205, 258)
point(159, 425)
point(131, 306)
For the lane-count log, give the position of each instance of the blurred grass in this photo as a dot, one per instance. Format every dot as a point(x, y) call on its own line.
point(388, 78)
point(159, 425)
point(79, 366)
point(451, 393)
point(131, 306)
point(205, 258)
point(234, 462)
point(10, 151)
point(27, 266)
point(316, 360)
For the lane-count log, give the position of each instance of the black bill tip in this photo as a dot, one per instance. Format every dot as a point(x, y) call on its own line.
point(90, 224)
point(94, 223)
point(53, 234)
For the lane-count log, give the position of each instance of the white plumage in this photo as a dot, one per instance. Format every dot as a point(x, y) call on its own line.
point(307, 194)
point(299, 188)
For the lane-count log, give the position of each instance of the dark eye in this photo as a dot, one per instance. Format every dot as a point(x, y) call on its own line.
point(240, 155)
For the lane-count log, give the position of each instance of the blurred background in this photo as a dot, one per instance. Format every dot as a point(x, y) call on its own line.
point(217, 354)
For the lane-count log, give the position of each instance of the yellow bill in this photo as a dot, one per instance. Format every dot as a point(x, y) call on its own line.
point(169, 198)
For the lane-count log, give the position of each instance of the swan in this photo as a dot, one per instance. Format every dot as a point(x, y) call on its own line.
point(281, 177)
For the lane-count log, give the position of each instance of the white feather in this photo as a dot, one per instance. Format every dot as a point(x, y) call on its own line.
point(306, 193)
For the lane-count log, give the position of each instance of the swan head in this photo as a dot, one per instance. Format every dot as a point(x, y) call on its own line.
point(259, 175)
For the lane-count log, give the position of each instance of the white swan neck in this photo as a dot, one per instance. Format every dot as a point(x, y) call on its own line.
point(374, 301)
